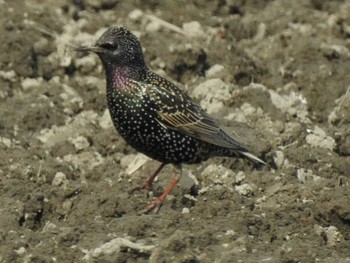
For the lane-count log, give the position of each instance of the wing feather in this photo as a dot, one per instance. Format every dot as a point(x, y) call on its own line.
point(177, 111)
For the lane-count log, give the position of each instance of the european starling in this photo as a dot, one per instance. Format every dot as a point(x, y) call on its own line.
point(153, 115)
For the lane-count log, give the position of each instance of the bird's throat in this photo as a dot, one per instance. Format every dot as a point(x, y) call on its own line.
point(118, 77)
point(122, 78)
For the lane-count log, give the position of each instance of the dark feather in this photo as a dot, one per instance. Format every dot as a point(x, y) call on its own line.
point(177, 111)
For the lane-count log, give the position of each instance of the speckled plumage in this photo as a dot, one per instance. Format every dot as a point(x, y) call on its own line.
point(153, 115)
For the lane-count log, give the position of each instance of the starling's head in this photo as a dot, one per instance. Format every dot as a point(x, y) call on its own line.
point(119, 47)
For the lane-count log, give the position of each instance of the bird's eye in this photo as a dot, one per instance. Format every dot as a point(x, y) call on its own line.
point(109, 46)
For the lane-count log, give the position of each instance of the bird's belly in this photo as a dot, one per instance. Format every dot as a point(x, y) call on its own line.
point(147, 136)
point(162, 144)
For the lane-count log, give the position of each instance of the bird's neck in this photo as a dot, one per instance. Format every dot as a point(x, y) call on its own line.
point(122, 77)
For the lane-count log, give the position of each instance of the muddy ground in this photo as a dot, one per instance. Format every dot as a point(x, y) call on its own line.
point(275, 74)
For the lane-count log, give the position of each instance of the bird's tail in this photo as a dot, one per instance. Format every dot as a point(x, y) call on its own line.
point(253, 157)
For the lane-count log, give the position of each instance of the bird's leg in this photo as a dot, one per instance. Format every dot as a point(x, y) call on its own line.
point(148, 184)
point(158, 202)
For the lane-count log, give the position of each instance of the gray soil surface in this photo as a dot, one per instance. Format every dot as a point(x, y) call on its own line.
point(275, 74)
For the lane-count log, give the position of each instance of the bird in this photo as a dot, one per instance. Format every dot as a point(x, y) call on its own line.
point(154, 116)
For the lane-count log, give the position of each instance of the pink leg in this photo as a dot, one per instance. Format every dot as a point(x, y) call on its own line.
point(158, 202)
point(148, 184)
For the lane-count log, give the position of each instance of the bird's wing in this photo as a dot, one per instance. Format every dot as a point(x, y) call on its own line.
point(177, 111)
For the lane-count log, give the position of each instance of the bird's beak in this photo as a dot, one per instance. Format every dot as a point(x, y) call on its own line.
point(94, 48)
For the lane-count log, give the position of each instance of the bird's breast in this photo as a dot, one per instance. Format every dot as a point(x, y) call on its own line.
point(130, 109)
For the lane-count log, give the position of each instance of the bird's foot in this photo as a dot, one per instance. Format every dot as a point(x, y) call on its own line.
point(155, 204)
point(158, 202)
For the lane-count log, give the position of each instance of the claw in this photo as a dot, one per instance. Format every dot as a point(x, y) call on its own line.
point(155, 204)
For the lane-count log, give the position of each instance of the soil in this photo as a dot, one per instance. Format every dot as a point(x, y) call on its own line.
point(275, 74)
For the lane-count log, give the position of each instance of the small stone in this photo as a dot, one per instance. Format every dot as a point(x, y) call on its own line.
point(29, 83)
point(5, 141)
point(80, 143)
point(214, 71)
point(304, 175)
point(105, 121)
point(193, 29)
point(218, 174)
point(338, 51)
point(279, 159)
point(84, 160)
point(301, 175)
point(67, 205)
point(185, 210)
point(60, 180)
point(20, 251)
point(49, 227)
point(213, 93)
point(135, 15)
point(294, 104)
point(8, 75)
point(244, 189)
point(333, 236)
point(318, 138)
point(240, 176)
